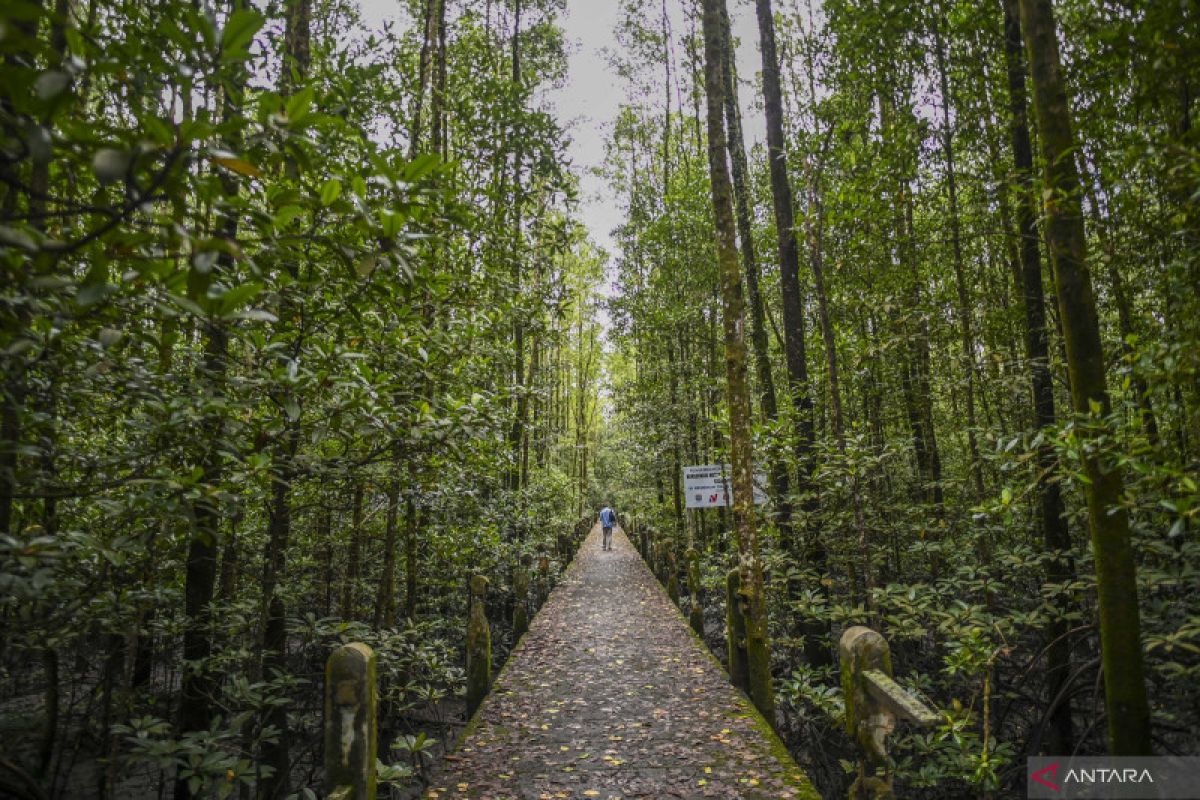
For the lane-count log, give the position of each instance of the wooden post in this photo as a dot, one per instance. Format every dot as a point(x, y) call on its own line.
point(873, 704)
point(350, 722)
point(521, 590)
point(696, 612)
point(479, 647)
point(735, 631)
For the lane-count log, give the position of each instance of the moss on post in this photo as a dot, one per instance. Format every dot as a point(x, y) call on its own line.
point(479, 647)
point(350, 721)
point(861, 649)
point(543, 579)
point(696, 612)
point(672, 577)
point(521, 590)
point(735, 631)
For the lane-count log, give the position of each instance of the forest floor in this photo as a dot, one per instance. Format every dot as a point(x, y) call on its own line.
point(611, 695)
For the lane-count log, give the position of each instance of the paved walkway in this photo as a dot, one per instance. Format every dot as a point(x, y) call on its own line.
point(610, 695)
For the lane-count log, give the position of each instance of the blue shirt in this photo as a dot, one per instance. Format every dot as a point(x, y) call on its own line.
point(608, 517)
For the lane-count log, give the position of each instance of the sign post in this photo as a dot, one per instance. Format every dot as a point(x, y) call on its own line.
point(710, 486)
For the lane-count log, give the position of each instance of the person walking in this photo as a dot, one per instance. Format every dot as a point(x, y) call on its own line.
point(608, 518)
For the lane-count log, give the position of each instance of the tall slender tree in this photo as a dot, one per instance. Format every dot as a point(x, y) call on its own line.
point(758, 646)
point(1050, 503)
point(814, 551)
point(1116, 572)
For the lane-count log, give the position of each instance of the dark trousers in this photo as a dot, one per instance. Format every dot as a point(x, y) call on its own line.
point(607, 539)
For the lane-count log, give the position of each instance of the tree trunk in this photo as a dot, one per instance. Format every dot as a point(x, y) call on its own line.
point(758, 327)
point(198, 685)
point(816, 636)
point(1055, 533)
point(412, 528)
point(354, 559)
point(966, 329)
point(1116, 578)
point(738, 390)
point(385, 598)
point(789, 260)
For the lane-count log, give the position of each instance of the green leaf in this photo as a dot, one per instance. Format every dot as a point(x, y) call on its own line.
point(331, 190)
point(299, 104)
point(15, 237)
point(421, 166)
point(392, 223)
point(240, 30)
point(286, 214)
point(238, 296)
point(159, 130)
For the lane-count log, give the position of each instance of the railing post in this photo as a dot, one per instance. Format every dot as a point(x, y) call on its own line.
point(696, 612)
point(521, 590)
point(735, 631)
point(543, 579)
point(479, 647)
point(873, 704)
point(672, 576)
point(350, 722)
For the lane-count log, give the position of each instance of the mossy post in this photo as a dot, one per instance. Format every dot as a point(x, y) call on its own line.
point(859, 650)
point(521, 590)
point(350, 722)
point(543, 579)
point(479, 647)
point(696, 612)
point(735, 631)
point(672, 577)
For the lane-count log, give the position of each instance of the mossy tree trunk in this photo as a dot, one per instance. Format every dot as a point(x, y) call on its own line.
point(758, 646)
point(479, 647)
point(816, 633)
point(758, 326)
point(1050, 503)
point(198, 686)
point(1116, 579)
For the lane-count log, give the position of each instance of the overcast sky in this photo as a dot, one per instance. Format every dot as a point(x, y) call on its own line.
point(587, 104)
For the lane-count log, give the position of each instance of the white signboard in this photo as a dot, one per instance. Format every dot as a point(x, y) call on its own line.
point(710, 486)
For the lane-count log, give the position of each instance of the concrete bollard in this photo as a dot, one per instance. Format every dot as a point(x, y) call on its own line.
point(479, 647)
point(696, 611)
point(350, 722)
point(873, 704)
point(735, 631)
point(521, 591)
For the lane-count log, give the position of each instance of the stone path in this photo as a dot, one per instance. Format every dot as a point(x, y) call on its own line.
point(610, 695)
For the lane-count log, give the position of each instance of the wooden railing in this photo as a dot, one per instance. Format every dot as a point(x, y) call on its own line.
point(351, 687)
point(874, 702)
